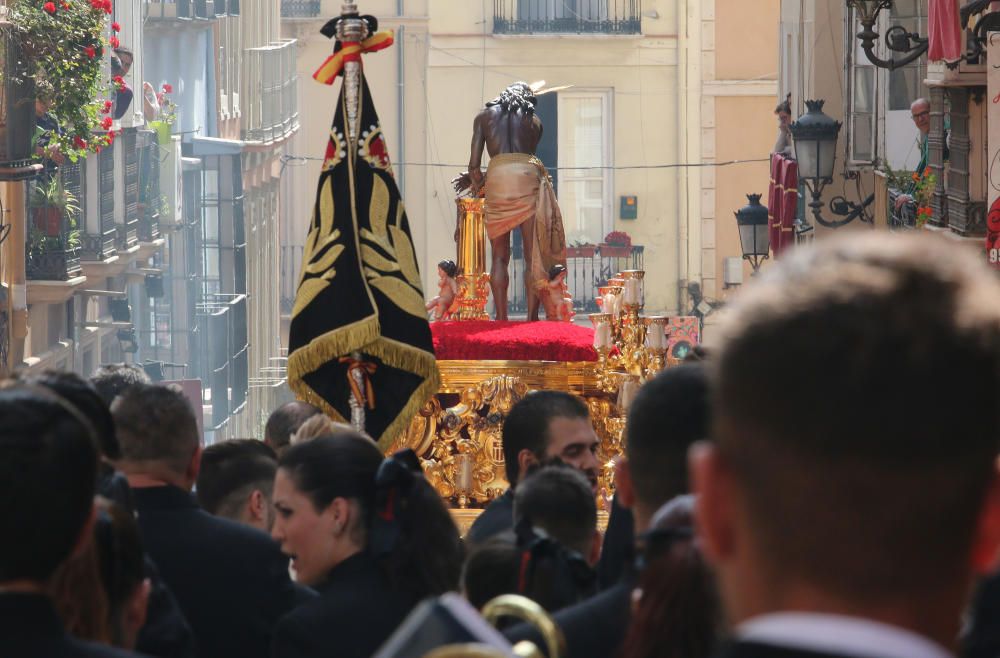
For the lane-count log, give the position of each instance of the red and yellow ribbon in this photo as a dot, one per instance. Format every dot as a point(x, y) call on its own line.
point(367, 370)
point(350, 51)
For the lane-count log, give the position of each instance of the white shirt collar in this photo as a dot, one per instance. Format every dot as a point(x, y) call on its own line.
point(838, 635)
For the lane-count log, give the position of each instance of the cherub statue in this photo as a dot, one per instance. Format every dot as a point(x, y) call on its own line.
point(440, 306)
point(559, 295)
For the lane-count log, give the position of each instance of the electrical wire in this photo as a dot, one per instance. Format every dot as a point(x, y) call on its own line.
point(303, 158)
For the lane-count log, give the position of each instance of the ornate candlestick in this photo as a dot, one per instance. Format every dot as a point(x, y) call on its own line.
point(473, 281)
point(656, 342)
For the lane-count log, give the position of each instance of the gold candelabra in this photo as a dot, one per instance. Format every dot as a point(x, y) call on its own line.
point(473, 281)
point(631, 347)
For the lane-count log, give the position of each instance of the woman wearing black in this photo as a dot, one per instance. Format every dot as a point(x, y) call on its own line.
point(371, 536)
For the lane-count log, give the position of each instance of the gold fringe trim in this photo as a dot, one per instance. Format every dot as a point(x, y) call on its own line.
point(332, 345)
point(345, 340)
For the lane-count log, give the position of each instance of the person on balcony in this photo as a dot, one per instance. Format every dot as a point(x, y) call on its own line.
point(46, 125)
point(920, 112)
point(121, 63)
point(783, 146)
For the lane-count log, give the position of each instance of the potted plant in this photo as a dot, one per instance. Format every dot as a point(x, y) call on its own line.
point(50, 203)
point(165, 110)
point(581, 250)
point(617, 244)
point(65, 44)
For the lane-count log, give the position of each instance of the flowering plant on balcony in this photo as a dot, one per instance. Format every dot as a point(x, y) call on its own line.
point(168, 108)
point(618, 239)
point(64, 43)
point(923, 192)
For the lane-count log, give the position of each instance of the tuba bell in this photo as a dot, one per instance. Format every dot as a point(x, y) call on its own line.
point(522, 608)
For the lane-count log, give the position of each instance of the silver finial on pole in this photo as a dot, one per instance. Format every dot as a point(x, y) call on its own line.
point(352, 28)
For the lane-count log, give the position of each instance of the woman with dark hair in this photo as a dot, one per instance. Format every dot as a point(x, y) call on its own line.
point(101, 593)
point(370, 535)
point(784, 144)
point(677, 613)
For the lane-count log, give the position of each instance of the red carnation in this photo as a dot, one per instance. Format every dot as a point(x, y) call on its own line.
point(79, 143)
point(114, 42)
point(50, 7)
point(106, 123)
point(167, 88)
point(91, 53)
point(115, 27)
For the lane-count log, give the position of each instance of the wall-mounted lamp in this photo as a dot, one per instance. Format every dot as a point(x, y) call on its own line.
point(897, 38)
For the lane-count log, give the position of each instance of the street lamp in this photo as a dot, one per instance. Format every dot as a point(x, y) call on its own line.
point(897, 38)
point(755, 238)
point(815, 137)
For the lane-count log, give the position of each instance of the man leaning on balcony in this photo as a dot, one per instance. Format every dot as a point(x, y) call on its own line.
point(920, 112)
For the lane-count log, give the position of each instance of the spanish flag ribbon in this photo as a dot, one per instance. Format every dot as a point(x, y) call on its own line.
point(367, 370)
point(350, 51)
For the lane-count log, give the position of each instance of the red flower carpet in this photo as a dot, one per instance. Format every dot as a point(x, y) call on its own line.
point(513, 341)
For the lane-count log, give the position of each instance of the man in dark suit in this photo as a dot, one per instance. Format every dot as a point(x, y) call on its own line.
point(544, 425)
point(668, 416)
point(231, 580)
point(852, 493)
point(48, 473)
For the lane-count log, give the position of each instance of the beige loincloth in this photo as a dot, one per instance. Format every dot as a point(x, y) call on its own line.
point(517, 188)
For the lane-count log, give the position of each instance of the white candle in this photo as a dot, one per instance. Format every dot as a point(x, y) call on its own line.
point(626, 394)
point(655, 336)
point(602, 335)
point(632, 295)
point(463, 478)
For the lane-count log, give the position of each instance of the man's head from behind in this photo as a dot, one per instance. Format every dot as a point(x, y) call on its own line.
point(558, 499)
point(545, 425)
point(236, 479)
point(48, 469)
point(669, 415)
point(112, 379)
point(285, 421)
point(856, 427)
point(158, 434)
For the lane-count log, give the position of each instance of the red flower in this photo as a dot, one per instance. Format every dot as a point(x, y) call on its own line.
point(50, 7)
point(91, 53)
point(107, 107)
point(106, 122)
point(167, 88)
point(114, 42)
point(79, 143)
point(106, 4)
point(115, 27)
point(119, 81)
point(111, 138)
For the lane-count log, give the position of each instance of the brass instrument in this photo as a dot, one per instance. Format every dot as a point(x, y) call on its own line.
point(511, 605)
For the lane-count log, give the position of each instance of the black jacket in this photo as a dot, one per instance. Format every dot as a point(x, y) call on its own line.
point(595, 627)
point(356, 611)
point(497, 517)
point(230, 580)
point(29, 628)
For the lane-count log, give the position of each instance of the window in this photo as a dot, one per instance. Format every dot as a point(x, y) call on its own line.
point(877, 101)
point(585, 165)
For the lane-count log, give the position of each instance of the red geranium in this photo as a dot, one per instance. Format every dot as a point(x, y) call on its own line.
point(106, 122)
point(115, 27)
point(79, 143)
point(119, 81)
point(49, 7)
point(114, 42)
point(91, 53)
point(167, 88)
point(107, 107)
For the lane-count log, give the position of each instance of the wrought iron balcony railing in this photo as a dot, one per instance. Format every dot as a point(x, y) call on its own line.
point(150, 200)
point(300, 8)
point(52, 248)
point(272, 97)
point(567, 17)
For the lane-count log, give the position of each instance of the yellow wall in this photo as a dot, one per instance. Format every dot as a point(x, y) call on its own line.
point(746, 39)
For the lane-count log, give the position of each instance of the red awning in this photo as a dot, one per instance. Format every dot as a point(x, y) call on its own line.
point(945, 32)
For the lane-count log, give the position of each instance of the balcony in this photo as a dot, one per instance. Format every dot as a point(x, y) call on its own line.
point(300, 8)
point(52, 248)
point(615, 17)
point(150, 200)
point(272, 111)
point(128, 230)
point(185, 10)
point(17, 109)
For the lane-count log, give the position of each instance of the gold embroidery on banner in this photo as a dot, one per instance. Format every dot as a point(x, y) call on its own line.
point(320, 253)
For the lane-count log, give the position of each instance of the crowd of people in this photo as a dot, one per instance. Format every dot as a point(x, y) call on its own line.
point(823, 483)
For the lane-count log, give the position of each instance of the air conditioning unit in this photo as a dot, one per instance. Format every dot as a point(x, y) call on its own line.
point(732, 271)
